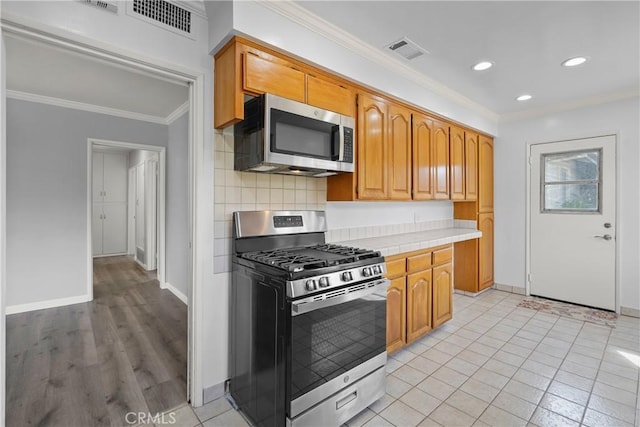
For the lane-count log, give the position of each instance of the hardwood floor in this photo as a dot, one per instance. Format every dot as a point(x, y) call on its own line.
point(90, 364)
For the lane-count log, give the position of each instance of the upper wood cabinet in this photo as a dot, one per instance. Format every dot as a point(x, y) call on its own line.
point(399, 162)
point(330, 96)
point(424, 167)
point(244, 67)
point(372, 147)
point(470, 165)
point(456, 136)
point(485, 174)
point(264, 76)
point(441, 158)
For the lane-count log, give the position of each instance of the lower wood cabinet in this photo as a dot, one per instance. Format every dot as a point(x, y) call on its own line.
point(420, 295)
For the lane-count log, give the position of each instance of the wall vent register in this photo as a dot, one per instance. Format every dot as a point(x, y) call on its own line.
point(163, 14)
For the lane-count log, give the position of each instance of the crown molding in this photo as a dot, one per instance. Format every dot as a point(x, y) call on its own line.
point(177, 113)
point(65, 103)
point(326, 29)
point(570, 105)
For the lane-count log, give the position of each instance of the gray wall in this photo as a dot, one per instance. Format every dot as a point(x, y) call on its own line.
point(47, 195)
point(177, 203)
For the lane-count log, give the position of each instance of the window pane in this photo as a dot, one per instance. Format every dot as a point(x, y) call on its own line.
point(580, 197)
point(576, 166)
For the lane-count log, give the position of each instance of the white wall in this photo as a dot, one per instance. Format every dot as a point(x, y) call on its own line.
point(177, 202)
point(510, 185)
point(47, 195)
point(135, 158)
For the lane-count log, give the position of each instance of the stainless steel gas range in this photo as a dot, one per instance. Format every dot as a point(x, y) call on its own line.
point(308, 322)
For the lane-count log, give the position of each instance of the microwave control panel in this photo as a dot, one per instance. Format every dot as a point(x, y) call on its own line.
point(348, 145)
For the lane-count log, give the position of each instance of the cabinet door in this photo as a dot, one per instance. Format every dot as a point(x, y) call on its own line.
point(457, 163)
point(418, 304)
point(396, 314)
point(114, 231)
point(485, 174)
point(330, 96)
point(399, 153)
point(115, 177)
point(470, 166)
point(372, 147)
point(97, 174)
point(423, 165)
point(261, 75)
point(442, 294)
point(96, 229)
point(441, 160)
point(485, 252)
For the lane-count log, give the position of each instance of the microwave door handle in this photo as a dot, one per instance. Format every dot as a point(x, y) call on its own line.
point(339, 141)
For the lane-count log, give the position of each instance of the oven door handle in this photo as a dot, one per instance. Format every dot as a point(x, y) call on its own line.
point(309, 304)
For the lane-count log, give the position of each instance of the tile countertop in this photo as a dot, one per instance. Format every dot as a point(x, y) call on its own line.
point(407, 242)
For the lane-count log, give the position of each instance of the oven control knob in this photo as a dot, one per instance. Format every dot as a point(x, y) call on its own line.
point(323, 282)
point(377, 269)
point(346, 276)
point(366, 272)
point(310, 285)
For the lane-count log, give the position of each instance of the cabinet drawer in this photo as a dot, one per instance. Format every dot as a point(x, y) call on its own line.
point(442, 256)
point(419, 262)
point(396, 267)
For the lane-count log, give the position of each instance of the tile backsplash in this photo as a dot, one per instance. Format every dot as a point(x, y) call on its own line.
point(250, 191)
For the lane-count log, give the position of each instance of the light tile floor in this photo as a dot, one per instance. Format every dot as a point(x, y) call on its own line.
point(500, 365)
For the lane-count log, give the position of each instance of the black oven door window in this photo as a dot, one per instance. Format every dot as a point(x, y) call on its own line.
point(302, 136)
point(330, 341)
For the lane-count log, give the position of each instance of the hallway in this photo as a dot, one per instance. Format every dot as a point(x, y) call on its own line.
point(90, 364)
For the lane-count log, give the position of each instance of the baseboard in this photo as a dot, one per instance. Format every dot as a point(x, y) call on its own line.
point(182, 297)
point(512, 289)
point(628, 311)
point(212, 393)
point(41, 305)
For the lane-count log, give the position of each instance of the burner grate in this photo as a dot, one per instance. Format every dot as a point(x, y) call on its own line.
point(309, 258)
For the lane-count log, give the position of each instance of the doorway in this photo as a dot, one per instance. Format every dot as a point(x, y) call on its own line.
point(572, 226)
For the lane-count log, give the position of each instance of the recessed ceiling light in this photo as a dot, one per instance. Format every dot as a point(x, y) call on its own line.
point(572, 62)
point(524, 97)
point(482, 65)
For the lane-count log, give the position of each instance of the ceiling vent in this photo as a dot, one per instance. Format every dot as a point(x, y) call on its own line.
point(104, 5)
point(163, 14)
point(407, 49)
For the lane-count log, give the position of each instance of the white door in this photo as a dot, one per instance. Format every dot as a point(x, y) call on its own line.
point(131, 212)
point(114, 225)
point(150, 203)
point(115, 177)
point(97, 171)
point(140, 212)
point(96, 229)
point(573, 229)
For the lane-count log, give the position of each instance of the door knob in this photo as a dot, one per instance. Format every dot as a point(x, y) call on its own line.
point(605, 237)
point(607, 225)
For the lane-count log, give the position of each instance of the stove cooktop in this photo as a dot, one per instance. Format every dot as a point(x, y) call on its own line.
point(310, 258)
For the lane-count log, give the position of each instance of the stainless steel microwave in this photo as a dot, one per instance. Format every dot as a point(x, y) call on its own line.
point(279, 135)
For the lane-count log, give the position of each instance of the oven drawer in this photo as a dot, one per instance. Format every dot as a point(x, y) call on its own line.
point(345, 404)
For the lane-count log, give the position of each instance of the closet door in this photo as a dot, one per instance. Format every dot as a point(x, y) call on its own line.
point(115, 177)
point(114, 232)
point(98, 176)
point(96, 229)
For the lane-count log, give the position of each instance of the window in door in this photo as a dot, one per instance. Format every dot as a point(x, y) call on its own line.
point(571, 182)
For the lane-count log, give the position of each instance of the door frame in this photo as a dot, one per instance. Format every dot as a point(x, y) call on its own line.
point(198, 187)
point(616, 136)
point(160, 205)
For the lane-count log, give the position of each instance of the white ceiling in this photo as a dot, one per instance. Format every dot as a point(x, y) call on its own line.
point(527, 41)
point(38, 69)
